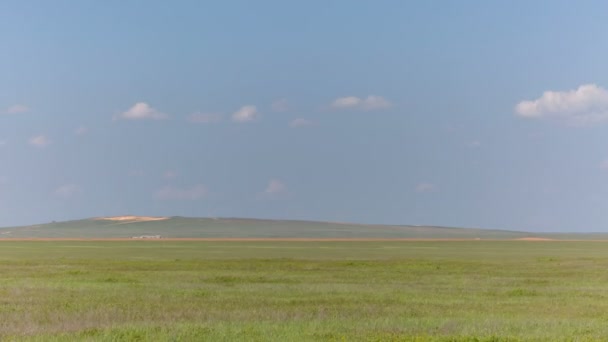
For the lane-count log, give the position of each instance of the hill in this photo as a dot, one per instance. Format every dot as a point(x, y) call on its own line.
point(187, 227)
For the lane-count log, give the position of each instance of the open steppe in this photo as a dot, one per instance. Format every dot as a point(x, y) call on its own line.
point(303, 290)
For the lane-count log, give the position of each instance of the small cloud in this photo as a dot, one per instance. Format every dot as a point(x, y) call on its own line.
point(18, 108)
point(588, 104)
point(204, 118)
point(425, 187)
point(3, 143)
point(170, 193)
point(141, 111)
point(281, 105)
point(346, 102)
point(170, 174)
point(82, 130)
point(372, 102)
point(275, 187)
point(299, 122)
point(604, 165)
point(39, 141)
point(245, 114)
point(68, 190)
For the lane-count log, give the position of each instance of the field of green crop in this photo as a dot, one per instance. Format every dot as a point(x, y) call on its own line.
point(303, 291)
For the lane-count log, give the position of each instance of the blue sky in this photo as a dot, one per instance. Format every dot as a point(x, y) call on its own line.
point(475, 113)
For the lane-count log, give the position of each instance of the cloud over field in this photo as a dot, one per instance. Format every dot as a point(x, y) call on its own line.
point(39, 141)
point(275, 189)
point(275, 186)
point(18, 108)
point(588, 104)
point(245, 114)
point(141, 111)
point(372, 102)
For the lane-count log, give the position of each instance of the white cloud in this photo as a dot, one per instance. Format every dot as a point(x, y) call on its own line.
point(245, 114)
point(18, 108)
point(281, 105)
point(142, 111)
point(82, 130)
point(299, 122)
point(346, 102)
point(173, 193)
point(372, 102)
point(425, 187)
point(68, 190)
point(40, 141)
point(604, 165)
point(275, 187)
point(588, 104)
point(204, 118)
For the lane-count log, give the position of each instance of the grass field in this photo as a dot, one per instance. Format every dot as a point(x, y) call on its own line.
point(304, 291)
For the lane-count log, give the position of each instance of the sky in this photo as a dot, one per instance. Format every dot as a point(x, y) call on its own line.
point(490, 114)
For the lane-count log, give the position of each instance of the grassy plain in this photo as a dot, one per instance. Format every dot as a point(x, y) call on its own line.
point(303, 291)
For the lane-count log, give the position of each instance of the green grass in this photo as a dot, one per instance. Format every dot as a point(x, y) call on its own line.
point(303, 291)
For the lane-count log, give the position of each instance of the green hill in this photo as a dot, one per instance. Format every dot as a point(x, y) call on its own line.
point(185, 227)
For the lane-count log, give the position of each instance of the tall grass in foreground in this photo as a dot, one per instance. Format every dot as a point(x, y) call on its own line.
point(290, 291)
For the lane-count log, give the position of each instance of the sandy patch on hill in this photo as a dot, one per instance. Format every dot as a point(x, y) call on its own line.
point(132, 218)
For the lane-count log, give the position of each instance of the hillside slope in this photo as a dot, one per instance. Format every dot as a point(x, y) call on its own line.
point(185, 227)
